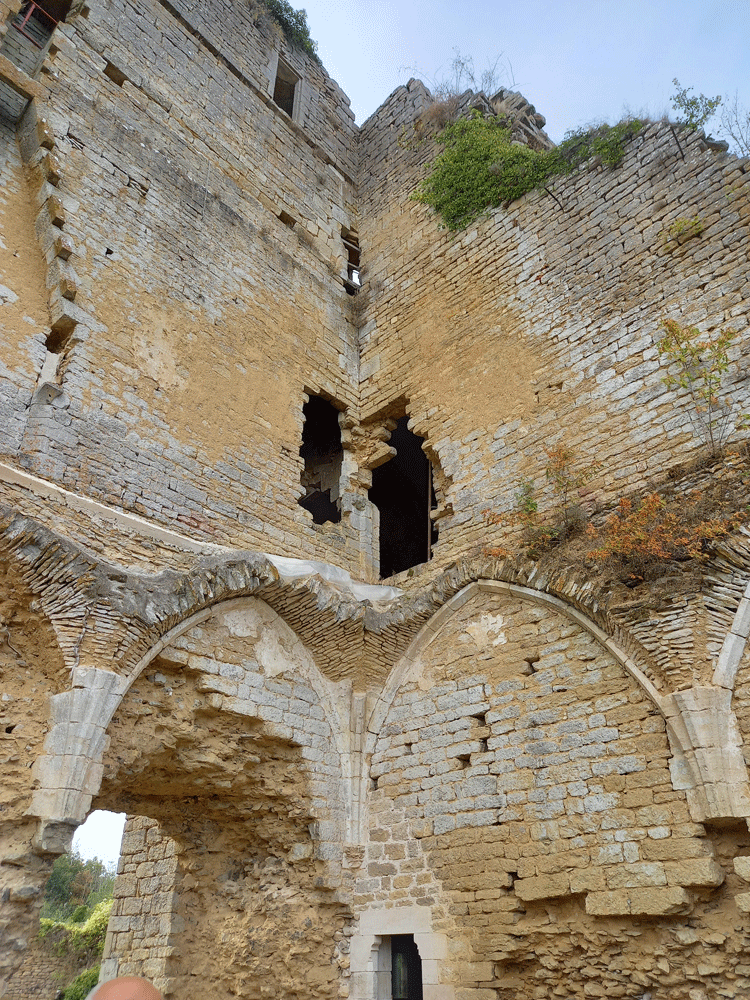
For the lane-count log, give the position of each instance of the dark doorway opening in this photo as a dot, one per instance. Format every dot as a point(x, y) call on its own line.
point(402, 491)
point(322, 453)
point(406, 968)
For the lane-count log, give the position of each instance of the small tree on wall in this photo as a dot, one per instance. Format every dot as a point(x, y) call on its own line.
point(701, 364)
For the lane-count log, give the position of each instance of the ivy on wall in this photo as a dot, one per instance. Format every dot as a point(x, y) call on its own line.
point(481, 167)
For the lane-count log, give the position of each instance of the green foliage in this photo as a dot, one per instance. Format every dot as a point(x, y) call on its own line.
point(525, 498)
point(294, 25)
point(681, 230)
point(82, 985)
point(701, 366)
point(85, 941)
point(608, 142)
point(74, 883)
point(80, 914)
point(693, 111)
point(481, 168)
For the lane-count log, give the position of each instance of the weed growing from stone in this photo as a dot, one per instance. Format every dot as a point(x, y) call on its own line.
point(481, 167)
point(540, 533)
point(701, 364)
point(681, 230)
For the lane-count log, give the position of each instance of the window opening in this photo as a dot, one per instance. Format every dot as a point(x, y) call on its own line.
point(284, 87)
point(322, 454)
point(402, 491)
point(352, 282)
point(406, 968)
point(37, 21)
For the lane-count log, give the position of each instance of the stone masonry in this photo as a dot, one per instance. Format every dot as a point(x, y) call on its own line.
point(537, 774)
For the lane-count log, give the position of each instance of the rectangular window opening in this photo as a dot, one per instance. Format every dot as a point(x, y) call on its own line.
point(284, 88)
point(352, 282)
point(35, 23)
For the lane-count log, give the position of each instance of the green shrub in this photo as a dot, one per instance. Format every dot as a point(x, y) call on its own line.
point(482, 168)
point(86, 940)
point(294, 25)
point(82, 985)
point(695, 109)
point(80, 914)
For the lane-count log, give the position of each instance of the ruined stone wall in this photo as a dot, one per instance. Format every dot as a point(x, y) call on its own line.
point(228, 879)
point(537, 324)
point(540, 778)
point(199, 270)
point(43, 974)
point(522, 791)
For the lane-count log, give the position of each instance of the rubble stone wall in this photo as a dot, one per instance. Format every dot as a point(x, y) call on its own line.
point(541, 777)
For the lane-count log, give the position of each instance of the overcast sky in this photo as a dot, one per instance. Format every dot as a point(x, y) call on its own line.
point(577, 61)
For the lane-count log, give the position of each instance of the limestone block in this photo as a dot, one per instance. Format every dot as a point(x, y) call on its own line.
point(644, 873)
point(742, 868)
point(20, 81)
point(658, 902)
point(695, 872)
point(543, 887)
point(640, 902)
point(742, 899)
point(588, 880)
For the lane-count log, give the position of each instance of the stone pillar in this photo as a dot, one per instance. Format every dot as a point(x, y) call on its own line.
point(139, 936)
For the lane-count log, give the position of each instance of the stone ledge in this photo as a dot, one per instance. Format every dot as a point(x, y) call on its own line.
point(19, 81)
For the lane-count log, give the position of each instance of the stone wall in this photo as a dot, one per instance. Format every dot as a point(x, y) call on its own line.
point(43, 974)
point(200, 282)
point(539, 773)
point(144, 905)
point(537, 324)
point(237, 767)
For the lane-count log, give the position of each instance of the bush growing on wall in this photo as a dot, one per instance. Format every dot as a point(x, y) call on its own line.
point(701, 363)
point(294, 25)
point(481, 167)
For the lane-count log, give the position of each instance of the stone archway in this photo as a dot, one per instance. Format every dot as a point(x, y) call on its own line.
point(231, 879)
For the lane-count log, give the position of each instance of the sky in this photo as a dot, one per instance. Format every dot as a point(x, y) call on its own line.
point(100, 837)
point(578, 61)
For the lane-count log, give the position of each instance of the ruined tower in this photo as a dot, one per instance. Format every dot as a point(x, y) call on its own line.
point(256, 404)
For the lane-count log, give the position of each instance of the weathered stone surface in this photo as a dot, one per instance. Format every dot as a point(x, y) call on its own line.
point(504, 758)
